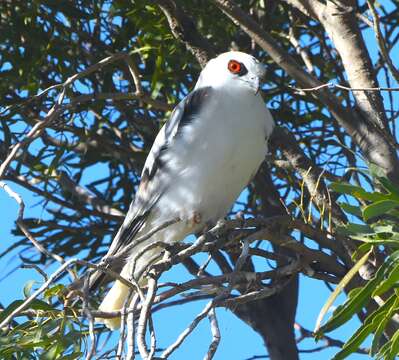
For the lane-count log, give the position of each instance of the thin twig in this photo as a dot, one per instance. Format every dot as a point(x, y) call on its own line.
point(34, 133)
point(254, 295)
point(153, 341)
point(145, 98)
point(144, 316)
point(134, 72)
point(20, 222)
point(187, 331)
point(38, 292)
point(329, 341)
point(381, 42)
point(128, 249)
point(131, 328)
point(298, 48)
point(215, 335)
point(139, 94)
point(122, 333)
point(37, 268)
point(90, 318)
point(54, 276)
point(333, 85)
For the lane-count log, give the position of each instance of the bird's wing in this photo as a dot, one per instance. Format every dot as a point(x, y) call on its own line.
point(153, 182)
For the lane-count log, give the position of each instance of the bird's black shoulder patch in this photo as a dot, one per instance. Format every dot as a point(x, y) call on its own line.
point(182, 115)
point(185, 112)
point(158, 162)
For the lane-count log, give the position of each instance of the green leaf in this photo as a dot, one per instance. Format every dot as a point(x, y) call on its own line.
point(53, 291)
point(76, 355)
point(53, 351)
point(394, 190)
point(376, 171)
point(375, 241)
point(354, 342)
point(368, 326)
point(357, 192)
point(35, 305)
point(54, 163)
point(390, 307)
point(41, 305)
point(351, 209)
point(345, 280)
point(350, 229)
point(9, 309)
point(361, 250)
point(379, 208)
point(392, 279)
point(383, 353)
point(28, 287)
point(383, 228)
point(360, 297)
point(394, 349)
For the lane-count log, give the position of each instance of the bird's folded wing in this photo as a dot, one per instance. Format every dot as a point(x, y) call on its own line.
point(153, 182)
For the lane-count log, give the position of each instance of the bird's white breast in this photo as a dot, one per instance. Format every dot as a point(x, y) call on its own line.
point(216, 155)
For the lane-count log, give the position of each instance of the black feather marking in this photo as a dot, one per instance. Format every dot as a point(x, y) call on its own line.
point(185, 112)
point(130, 230)
point(158, 162)
point(183, 115)
point(126, 235)
point(96, 280)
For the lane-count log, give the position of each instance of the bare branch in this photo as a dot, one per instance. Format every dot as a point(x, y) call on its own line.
point(333, 85)
point(131, 319)
point(38, 292)
point(34, 133)
point(145, 314)
point(187, 331)
point(363, 133)
point(90, 318)
point(215, 335)
point(299, 49)
point(85, 196)
point(20, 222)
point(183, 28)
point(381, 42)
point(329, 342)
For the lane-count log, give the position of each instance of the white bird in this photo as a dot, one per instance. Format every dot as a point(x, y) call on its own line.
point(204, 156)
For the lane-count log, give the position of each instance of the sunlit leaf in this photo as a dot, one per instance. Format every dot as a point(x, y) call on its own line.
point(379, 208)
point(338, 289)
point(391, 280)
point(357, 192)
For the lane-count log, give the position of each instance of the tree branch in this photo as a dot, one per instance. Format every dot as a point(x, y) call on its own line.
point(365, 134)
point(183, 28)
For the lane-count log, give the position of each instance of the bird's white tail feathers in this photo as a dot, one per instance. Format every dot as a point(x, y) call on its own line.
point(117, 295)
point(114, 301)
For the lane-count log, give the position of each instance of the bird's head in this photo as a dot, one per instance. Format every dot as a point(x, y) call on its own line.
point(233, 70)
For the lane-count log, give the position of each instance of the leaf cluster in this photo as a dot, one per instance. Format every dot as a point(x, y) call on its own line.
point(43, 331)
point(376, 228)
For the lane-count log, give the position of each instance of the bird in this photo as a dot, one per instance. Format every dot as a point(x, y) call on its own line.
point(202, 158)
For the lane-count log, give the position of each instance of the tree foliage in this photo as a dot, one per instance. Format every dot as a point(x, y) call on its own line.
point(375, 227)
point(87, 85)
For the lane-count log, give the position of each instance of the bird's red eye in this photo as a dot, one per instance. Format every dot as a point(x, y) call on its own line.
point(234, 66)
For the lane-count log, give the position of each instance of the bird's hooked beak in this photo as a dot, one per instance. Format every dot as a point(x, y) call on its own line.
point(260, 79)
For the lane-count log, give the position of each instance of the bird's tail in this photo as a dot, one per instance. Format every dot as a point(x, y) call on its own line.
point(117, 295)
point(114, 301)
